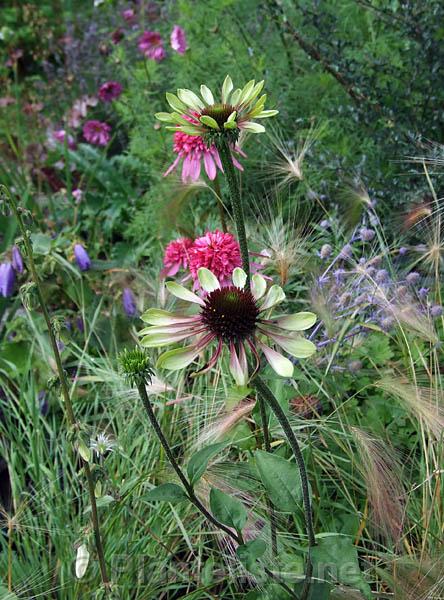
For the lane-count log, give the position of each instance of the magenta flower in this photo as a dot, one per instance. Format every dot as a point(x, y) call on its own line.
point(77, 195)
point(109, 91)
point(178, 40)
point(128, 15)
point(60, 136)
point(82, 258)
point(97, 132)
point(192, 150)
point(219, 252)
point(176, 256)
point(151, 45)
point(7, 279)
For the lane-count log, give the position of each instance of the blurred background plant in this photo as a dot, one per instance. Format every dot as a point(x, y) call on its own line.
point(344, 210)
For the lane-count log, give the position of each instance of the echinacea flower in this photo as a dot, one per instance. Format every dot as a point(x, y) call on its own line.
point(109, 91)
point(62, 137)
point(129, 302)
point(82, 258)
point(176, 256)
point(17, 259)
point(231, 316)
point(204, 116)
point(217, 251)
point(151, 45)
point(97, 132)
point(192, 149)
point(178, 40)
point(7, 279)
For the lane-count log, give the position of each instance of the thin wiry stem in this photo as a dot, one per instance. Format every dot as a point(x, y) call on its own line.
point(269, 397)
point(63, 381)
point(237, 537)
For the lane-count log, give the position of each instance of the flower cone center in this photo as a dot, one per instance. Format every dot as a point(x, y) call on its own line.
point(219, 112)
point(230, 313)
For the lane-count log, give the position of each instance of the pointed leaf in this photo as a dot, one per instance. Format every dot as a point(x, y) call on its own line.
point(167, 492)
point(281, 480)
point(198, 463)
point(228, 510)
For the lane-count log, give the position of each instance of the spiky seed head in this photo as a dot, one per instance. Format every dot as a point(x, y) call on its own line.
point(135, 365)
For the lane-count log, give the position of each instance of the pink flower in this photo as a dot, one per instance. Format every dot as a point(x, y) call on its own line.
point(151, 45)
point(109, 91)
point(128, 15)
point(192, 150)
point(77, 195)
point(219, 252)
point(60, 135)
point(178, 40)
point(97, 132)
point(117, 36)
point(80, 109)
point(176, 256)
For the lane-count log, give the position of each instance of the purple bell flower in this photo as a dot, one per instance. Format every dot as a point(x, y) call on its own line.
point(17, 260)
point(129, 302)
point(82, 259)
point(7, 279)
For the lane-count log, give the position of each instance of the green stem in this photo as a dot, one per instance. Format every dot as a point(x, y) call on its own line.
point(63, 381)
point(265, 392)
point(236, 536)
point(236, 202)
point(267, 446)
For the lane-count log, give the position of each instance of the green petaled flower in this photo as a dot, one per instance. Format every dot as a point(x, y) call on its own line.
point(233, 317)
point(136, 367)
point(206, 117)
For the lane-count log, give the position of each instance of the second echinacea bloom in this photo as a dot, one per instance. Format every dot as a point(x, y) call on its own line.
point(233, 317)
point(210, 118)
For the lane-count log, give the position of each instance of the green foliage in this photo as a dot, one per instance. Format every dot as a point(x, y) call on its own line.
point(228, 510)
point(199, 461)
point(281, 480)
point(167, 492)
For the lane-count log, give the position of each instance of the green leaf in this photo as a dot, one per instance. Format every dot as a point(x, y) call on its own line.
point(41, 243)
point(335, 559)
point(281, 480)
point(230, 511)
point(249, 554)
point(167, 492)
point(198, 462)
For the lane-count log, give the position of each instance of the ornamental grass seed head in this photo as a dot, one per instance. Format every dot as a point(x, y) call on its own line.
point(216, 120)
point(234, 317)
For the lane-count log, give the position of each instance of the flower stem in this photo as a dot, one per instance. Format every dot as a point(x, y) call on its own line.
point(267, 446)
point(236, 202)
point(63, 380)
point(220, 204)
point(237, 537)
point(270, 399)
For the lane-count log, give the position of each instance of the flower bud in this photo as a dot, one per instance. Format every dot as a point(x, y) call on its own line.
point(7, 279)
point(17, 260)
point(82, 259)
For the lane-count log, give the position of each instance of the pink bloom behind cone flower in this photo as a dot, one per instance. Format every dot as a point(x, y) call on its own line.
point(97, 132)
point(109, 91)
point(178, 40)
point(176, 256)
point(128, 15)
point(219, 252)
point(192, 150)
point(151, 45)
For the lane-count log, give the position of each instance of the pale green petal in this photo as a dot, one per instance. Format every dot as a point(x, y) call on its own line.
point(207, 94)
point(279, 363)
point(246, 91)
point(190, 99)
point(253, 127)
point(181, 292)
point(297, 322)
point(156, 340)
point(209, 121)
point(274, 296)
point(208, 280)
point(165, 117)
point(258, 286)
point(226, 88)
point(179, 358)
point(230, 125)
point(232, 117)
point(189, 129)
point(265, 114)
point(239, 277)
point(254, 92)
point(175, 103)
point(157, 316)
point(298, 347)
point(238, 367)
point(235, 96)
